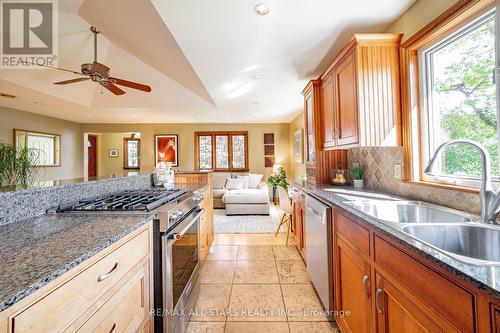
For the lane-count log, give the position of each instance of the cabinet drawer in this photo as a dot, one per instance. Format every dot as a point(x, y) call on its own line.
point(450, 301)
point(125, 311)
point(353, 232)
point(63, 305)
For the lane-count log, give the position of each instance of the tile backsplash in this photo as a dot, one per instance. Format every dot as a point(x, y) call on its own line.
point(379, 162)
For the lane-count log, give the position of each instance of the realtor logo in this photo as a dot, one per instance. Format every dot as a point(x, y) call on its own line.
point(29, 33)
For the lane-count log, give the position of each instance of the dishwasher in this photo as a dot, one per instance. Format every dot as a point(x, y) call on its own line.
point(318, 247)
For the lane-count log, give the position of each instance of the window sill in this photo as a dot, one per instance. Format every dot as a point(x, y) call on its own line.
point(443, 186)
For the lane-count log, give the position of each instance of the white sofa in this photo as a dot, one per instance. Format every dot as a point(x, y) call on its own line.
point(250, 201)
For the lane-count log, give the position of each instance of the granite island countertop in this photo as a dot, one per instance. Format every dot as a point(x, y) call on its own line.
point(36, 251)
point(486, 278)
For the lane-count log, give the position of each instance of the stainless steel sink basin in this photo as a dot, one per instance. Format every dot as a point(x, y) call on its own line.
point(471, 243)
point(407, 212)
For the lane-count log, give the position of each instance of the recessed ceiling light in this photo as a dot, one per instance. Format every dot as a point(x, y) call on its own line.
point(7, 95)
point(38, 103)
point(257, 77)
point(261, 9)
point(255, 102)
point(132, 115)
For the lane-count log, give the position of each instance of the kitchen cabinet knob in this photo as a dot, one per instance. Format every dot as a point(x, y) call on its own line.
point(366, 286)
point(378, 299)
point(103, 277)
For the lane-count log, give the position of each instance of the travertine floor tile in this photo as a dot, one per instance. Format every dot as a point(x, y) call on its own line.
point(283, 252)
point(256, 327)
point(223, 252)
point(315, 327)
point(302, 303)
point(251, 239)
point(292, 271)
point(218, 271)
point(207, 327)
point(212, 303)
point(254, 271)
point(256, 302)
point(256, 252)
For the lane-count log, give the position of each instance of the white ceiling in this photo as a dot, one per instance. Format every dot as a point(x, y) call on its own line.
point(198, 56)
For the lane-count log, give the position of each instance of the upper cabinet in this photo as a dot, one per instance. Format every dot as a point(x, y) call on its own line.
point(359, 94)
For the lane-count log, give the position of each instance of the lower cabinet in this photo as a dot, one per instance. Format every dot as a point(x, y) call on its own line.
point(299, 224)
point(388, 288)
point(352, 288)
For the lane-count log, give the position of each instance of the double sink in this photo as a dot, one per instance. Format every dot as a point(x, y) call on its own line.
point(443, 229)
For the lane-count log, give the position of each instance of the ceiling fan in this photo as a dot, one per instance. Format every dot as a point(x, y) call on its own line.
point(99, 73)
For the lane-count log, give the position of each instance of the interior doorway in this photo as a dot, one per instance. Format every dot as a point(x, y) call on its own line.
point(92, 155)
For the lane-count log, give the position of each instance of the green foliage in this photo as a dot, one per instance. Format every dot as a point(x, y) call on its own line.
point(278, 179)
point(16, 166)
point(467, 108)
point(357, 172)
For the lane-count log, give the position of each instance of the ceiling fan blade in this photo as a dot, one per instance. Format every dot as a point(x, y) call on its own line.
point(130, 84)
point(111, 87)
point(52, 67)
point(72, 81)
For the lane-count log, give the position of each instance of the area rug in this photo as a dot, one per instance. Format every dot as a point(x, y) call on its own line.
point(246, 224)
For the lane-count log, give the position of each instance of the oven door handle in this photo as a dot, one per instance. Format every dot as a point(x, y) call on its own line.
point(178, 235)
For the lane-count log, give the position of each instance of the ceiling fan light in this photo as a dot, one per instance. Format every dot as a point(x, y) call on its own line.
point(261, 9)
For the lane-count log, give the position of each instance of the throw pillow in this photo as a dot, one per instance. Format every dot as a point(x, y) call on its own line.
point(254, 180)
point(246, 180)
point(234, 184)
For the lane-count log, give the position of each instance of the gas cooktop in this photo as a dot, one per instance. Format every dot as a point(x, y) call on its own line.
point(137, 200)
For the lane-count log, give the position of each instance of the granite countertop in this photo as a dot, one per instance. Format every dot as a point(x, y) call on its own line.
point(486, 278)
point(37, 250)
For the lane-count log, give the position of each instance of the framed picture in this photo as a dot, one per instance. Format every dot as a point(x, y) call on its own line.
point(166, 149)
point(112, 153)
point(298, 146)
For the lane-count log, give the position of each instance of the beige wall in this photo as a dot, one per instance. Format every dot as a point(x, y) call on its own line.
point(71, 140)
point(297, 170)
point(110, 165)
point(419, 15)
point(186, 141)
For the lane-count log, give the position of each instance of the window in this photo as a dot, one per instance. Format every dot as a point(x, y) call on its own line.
point(47, 147)
point(132, 152)
point(221, 151)
point(449, 93)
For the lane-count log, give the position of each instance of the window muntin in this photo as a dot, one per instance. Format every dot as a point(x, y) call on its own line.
point(47, 146)
point(459, 99)
point(221, 151)
point(131, 158)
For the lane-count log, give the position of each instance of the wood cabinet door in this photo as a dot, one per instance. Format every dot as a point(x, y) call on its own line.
point(327, 93)
point(352, 289)
point(396, 313)
point(297, 228)
point(309, 128)
point(346, 101)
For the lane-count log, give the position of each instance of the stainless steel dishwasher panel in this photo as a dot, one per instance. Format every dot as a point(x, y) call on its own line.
point(318, 217)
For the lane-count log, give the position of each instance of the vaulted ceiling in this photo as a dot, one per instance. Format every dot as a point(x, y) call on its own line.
point(206, 61)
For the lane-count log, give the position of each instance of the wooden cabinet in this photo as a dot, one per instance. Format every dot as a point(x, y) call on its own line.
point(352, 288)
point(388, 288)
point(111, 290)
point(298, 218)
point(360, 96)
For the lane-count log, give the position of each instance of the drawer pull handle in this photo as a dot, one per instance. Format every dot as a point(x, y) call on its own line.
point(103, 277)
point(366, 286)
point(378, 295)
point(113, 328)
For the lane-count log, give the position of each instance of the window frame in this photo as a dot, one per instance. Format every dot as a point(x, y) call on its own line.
point(230, 135)
point(460, 15)
point(125, 153)
point(57, 145)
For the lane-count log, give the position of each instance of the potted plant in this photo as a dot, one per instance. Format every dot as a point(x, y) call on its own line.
point(278, 179)
point(16, 165)
point(357, 175)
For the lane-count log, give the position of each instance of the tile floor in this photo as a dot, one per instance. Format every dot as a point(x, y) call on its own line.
point(254, 283)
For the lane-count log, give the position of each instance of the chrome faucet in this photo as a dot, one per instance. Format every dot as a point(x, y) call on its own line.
point(490, 199)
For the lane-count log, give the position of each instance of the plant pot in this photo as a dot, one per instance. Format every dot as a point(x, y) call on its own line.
point(358, 183)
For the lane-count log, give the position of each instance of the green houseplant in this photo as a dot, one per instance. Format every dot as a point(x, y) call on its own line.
point(357, 175)
point(16, 165)
point(278, 179)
